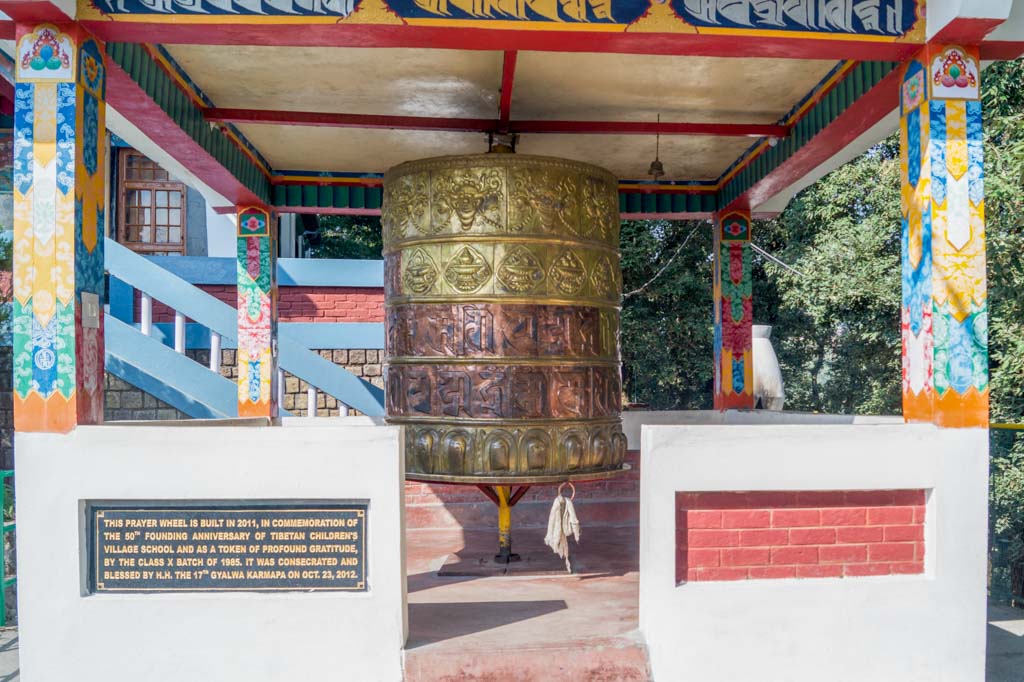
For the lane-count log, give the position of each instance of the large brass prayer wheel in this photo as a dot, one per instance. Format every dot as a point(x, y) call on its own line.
point(502, 288)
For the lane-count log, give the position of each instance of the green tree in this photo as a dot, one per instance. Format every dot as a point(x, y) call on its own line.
point(344, 236)
point(666, 313)
point(1003, 107)
point(836, 310)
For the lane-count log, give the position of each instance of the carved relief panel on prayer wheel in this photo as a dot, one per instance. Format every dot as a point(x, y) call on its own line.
point(502, 287)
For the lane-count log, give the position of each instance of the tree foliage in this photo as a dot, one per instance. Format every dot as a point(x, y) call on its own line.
point(1003, 107)
point(666, 313)
point(345, 236)
point(836, 312)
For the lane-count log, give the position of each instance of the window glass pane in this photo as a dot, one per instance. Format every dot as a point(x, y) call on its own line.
point(153, 214)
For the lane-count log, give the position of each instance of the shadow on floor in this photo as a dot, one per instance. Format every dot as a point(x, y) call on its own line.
point(425, 581)
point(1005, 651)
point(436, 622)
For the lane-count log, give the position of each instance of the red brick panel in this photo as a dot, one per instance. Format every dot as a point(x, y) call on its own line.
point(806, 534)
point(299, 304)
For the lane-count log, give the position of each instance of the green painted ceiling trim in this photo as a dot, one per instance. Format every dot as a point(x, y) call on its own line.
point(326, 196)
point(860, 79)
point(356, 196)
point(158, 85)
point(663, 202)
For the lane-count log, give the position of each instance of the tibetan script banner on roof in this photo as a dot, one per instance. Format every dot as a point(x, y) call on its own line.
point(868, 19)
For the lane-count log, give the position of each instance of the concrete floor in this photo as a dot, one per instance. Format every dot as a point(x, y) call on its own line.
point(9, 655)
point(1005, 655)
point(524, 628)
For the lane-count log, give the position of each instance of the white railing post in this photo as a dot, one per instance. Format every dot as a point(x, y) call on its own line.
point(179, 332)
point(280, 388)
point(342, 409)
point(146, 323)
point(310, 402)
point(214, 352)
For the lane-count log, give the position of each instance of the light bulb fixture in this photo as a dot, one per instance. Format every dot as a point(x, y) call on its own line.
point(502, 143)
point(657, 169)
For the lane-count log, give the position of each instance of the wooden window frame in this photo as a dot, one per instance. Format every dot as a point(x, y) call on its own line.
point(124, 185)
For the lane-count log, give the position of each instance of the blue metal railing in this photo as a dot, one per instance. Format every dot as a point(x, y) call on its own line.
point(295, 356)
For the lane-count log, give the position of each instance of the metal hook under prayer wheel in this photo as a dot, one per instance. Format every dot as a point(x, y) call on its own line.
point(503, 287)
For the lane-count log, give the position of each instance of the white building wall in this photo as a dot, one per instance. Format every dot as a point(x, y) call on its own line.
point(68, 635)
point(928, 627)
point(221, 235)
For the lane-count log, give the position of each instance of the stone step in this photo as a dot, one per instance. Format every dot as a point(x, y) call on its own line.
point(622, 659)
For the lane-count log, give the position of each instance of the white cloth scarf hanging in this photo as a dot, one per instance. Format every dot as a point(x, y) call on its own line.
point(562, 523)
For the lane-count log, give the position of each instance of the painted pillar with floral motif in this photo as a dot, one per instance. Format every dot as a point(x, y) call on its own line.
point(6, 225)
point(257, 314)
point(733, 312)
point(58, 188)
point(944, 307)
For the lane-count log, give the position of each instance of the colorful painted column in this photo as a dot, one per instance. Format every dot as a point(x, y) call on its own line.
point(257, 313)
point(58, 228)
point(6, 227)
point(734, 312)
point(944, 309)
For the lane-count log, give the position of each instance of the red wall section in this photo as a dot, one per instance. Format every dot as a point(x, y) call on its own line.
point(831, 534)
point(300, 304)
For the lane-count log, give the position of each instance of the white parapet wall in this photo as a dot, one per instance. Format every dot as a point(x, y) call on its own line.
point(901, 628)
point(634, 420)
point(68, 634)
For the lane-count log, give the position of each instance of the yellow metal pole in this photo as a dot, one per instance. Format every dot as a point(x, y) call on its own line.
point(504, 492)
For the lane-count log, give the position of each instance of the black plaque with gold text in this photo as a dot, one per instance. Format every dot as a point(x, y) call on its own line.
point(225, 546)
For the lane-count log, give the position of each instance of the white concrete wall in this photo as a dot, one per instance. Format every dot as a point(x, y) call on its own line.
point(292, 636)
point(633, 420)
point(221, 234)
point(928, 627)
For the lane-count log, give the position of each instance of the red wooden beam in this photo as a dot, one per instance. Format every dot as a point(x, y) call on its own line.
point(133, 103)
point(219, 31)
point(649, 128)
point(327, 210)
point(508, 75)
point(480, 125)
point(314, 118)
point(870, 108)
point(33, 11)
